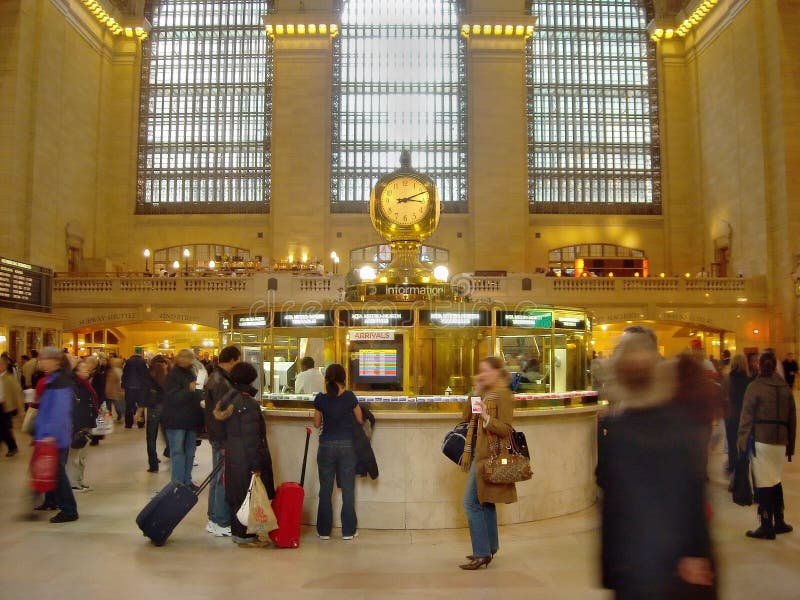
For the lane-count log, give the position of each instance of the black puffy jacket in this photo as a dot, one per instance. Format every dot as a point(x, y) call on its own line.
point(181, 407)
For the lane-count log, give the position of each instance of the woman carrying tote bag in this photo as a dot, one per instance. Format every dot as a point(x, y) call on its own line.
point(492, 422)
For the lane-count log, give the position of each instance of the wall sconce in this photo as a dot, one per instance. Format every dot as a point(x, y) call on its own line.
point(146, 254)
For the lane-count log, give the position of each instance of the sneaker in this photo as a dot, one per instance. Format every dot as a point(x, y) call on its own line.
point(323, 537)
point(350, 537)
point(211, 527)
point(63, 518)
point(79, 489)
point(222, 531)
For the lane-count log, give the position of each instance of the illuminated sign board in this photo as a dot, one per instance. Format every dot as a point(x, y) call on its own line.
point(369, 335)
point(250, 321)
point(538, 319)
point(570, 323)
point(224, 323)
point(465, 318)
point(303, 319)
point(388, 318)
point(24, 286)
point(377, 362)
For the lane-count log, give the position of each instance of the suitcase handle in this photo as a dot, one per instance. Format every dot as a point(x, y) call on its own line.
point(211, 476)
point(305, 457)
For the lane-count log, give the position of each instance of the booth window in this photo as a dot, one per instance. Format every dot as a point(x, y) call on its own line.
point(593, 133)
point(205, 108)
point(399, 81)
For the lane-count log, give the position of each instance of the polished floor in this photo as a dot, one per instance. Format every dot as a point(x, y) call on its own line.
point(103, 555)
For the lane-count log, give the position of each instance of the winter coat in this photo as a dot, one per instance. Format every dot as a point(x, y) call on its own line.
point(736, 385)
point(217, 387)
point(56, 404)
point(181, 407)
point(113, 384)
point(769, 409)
point(85, 411)
point(500, 418)
point(244, 435)
point(12, 393)
point(135, 375)
point(365, 457)
point(653, 498)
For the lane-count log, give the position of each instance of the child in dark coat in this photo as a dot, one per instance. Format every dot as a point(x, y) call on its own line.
point(244, 437)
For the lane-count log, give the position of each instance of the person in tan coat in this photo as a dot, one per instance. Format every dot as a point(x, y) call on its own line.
point(480, 496)
point(10, 405)
point(114, 393)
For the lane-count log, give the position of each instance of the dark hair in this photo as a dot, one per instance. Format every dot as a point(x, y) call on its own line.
point(334, 376)
point(307, 363)
point(229, 354)
point(696, 394)
point(642, 330)
point(243, 373)
point(34, 354)
point(767, 363)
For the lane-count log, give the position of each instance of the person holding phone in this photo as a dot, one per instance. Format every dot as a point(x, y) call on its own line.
point(489, 411)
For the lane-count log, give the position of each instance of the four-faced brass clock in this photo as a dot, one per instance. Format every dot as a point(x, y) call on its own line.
point(405, 204)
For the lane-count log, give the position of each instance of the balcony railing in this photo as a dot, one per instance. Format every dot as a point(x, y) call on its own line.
point(276, 288)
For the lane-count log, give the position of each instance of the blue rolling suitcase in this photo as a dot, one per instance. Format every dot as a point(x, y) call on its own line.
point(168, 508)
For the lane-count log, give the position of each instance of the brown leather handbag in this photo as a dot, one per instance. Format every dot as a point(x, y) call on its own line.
point(507, 463)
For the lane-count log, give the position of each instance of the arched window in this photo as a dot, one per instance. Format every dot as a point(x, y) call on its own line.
point(399, 81)
point(593, 135)
point(205, 110)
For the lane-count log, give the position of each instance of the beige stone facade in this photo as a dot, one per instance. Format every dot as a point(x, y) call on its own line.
point(730, 111)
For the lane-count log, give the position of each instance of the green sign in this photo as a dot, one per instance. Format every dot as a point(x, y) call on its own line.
point(539, 319)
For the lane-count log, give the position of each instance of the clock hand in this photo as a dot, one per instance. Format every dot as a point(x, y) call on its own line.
point(409, 198)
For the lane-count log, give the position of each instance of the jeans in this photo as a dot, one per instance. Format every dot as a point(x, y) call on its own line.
point(62, 496)
point(218, 511)
point(77, 465)
point(181, 448)
point(337, 458)
point(482, 519)
point(151, 433)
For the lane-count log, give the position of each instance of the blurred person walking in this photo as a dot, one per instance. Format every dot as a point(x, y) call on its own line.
point(655, 538)
point(113, 386)
point(10, 405)
point(735, 385)
point(84, 418)
point(216, 388)
point(54, 423)
point(136, 383)
point(769, 419)
point(481, 496)
point(182, 415)
point(154, 404)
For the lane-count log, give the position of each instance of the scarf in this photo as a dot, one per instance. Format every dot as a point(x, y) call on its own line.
point(491, 408)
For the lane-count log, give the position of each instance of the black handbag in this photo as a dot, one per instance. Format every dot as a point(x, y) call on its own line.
point(520, 443)
point(742, 486)
point(454, 442)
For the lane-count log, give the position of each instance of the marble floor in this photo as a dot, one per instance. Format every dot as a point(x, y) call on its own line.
point(103, 555)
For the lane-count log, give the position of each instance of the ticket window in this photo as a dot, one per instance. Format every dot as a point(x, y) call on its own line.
point(531, 359)
point(282, 362)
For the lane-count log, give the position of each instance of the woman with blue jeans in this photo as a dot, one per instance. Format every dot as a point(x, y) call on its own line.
point(337, 413)
point(493, 422)
point(181, 415)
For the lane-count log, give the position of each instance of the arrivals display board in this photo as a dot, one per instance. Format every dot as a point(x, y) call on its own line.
point(24, 286)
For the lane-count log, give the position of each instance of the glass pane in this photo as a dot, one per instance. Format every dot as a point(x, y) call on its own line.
point(399, 81)
point(593, 138)
point(205, 110)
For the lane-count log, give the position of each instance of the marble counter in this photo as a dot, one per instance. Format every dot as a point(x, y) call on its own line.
point(418, 488)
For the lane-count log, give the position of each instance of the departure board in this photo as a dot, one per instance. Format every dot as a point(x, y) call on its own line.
point(25, 286)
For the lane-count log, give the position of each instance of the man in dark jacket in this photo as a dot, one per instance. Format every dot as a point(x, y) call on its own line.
point(218, 385)
point(54, 423)
point(136, 383)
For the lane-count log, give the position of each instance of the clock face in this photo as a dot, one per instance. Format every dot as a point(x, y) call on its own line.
point(405, 201)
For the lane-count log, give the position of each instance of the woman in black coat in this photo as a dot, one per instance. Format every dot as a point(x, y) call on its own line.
point(244, 438)
point(181, 415)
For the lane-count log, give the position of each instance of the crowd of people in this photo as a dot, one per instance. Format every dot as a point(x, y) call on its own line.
point(652, 449)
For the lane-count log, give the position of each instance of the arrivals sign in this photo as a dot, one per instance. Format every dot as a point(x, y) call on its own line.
point(371, 335)
point(24, 286)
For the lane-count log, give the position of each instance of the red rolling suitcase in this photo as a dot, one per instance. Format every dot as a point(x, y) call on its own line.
point(288, 507)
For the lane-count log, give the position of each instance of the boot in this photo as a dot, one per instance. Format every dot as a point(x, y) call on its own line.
point(765, 512)
point(781, 526)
